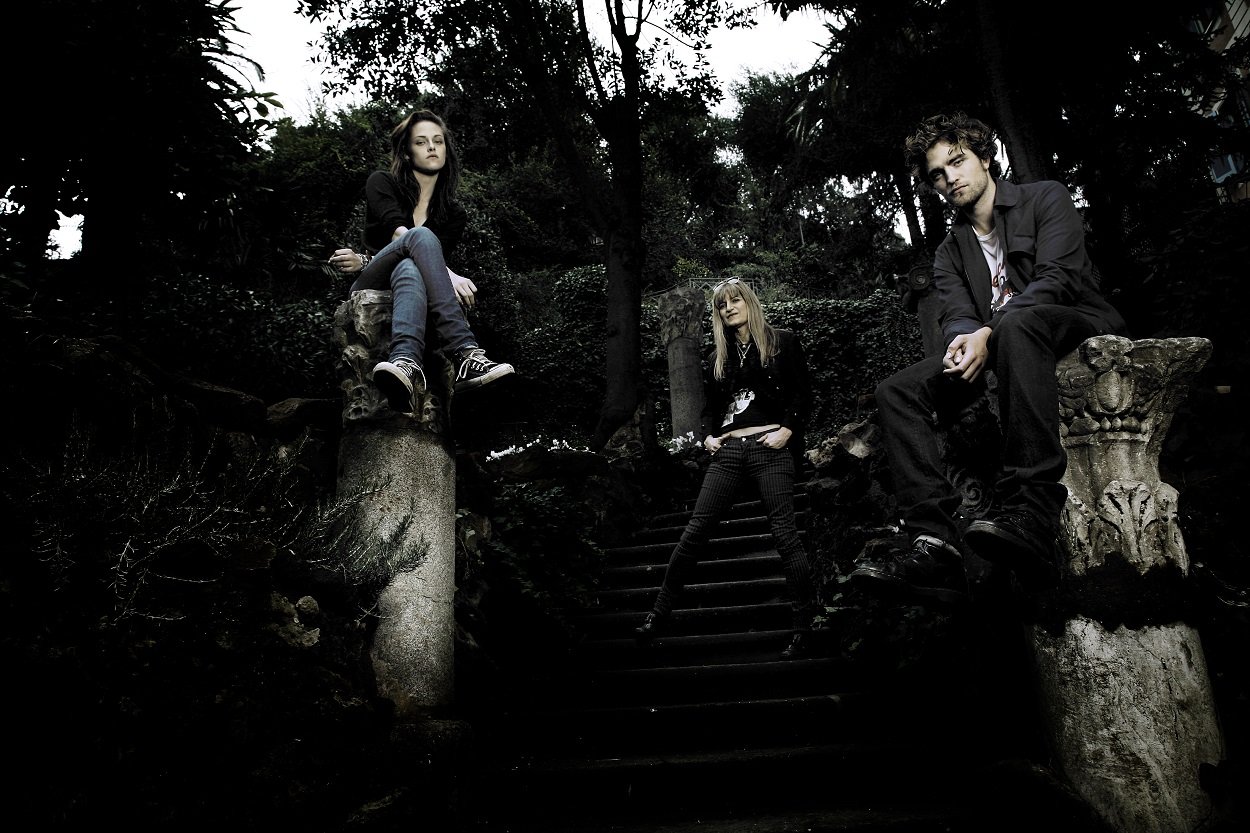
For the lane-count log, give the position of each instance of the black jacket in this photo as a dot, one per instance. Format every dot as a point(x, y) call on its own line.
point(787, 371)
point(388, 207)
point(1044, 245)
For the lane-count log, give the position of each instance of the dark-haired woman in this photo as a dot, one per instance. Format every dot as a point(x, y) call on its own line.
point(412, 220)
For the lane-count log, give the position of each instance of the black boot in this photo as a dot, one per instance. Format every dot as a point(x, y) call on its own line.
point(798, 647)
point(652, 625)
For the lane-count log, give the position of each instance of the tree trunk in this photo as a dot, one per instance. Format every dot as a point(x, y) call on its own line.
point(620, 124)
point(620, 222)
point(907, 195)
point(1015, 129)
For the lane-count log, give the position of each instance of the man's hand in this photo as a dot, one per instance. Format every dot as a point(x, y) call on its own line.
point(466, 290)
point(966, 355)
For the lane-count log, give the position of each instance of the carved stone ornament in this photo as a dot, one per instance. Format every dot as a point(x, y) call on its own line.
point(1117, 398)
point(363, 334)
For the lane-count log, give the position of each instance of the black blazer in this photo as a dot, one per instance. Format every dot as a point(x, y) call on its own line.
point(1044, 244)
point(788, 371)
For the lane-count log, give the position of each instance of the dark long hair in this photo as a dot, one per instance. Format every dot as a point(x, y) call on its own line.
point(958, 129)
point(448, 185)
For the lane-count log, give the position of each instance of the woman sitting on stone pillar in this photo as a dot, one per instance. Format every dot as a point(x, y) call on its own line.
point(412, 220)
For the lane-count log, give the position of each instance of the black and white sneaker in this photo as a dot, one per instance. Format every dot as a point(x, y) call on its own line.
point(474, 369)
point(399, 380)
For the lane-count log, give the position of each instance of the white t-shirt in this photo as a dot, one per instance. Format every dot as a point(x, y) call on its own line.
point(993, 250)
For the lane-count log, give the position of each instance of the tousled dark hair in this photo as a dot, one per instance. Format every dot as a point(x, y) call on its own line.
point(958, 129)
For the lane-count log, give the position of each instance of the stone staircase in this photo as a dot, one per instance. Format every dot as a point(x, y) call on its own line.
point(708, 729)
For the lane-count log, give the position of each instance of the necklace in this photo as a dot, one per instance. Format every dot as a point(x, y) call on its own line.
point(743, 349)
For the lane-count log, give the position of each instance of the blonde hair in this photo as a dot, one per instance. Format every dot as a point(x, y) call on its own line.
point(762, 333)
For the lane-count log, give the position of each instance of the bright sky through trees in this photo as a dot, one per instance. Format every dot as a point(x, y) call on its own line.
point(278, 39)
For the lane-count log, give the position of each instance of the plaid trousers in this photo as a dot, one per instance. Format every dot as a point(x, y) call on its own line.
point(772, 469)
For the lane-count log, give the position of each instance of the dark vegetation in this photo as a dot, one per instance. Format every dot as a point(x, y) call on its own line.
point(180, 643)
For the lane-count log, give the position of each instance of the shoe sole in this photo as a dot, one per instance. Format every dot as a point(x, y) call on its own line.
point(1032, 567)
point(880, 582)
point(398, 393)
point(496, 372)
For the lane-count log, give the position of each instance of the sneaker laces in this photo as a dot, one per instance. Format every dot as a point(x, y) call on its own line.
point(410, 368)
point(475, 360)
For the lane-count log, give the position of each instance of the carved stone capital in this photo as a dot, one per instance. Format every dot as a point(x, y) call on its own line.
point(1117, 398)
point(1116, 402)
point(681, 314)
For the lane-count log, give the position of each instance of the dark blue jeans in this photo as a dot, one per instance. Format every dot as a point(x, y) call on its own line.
point(413, 269)
point(741, 459)
point(915, 403)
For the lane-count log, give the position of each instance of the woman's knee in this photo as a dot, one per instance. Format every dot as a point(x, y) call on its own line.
point(420, 237)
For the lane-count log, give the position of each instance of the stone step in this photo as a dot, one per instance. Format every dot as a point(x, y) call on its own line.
point(667, 684)
point(596, 624)
point(733, 525)
point(925, 817)
point(738, 646)
point(655, 727)
point(738, 784)
point(747, 564)
point(759, 590)
point(718, 547)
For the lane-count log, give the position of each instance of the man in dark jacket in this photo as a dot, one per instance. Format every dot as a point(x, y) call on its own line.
point(1016, 291)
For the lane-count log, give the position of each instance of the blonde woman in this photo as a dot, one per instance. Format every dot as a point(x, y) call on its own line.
point(757, 400)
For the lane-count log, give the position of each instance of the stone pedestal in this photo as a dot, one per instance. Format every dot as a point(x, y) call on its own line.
point(399, 472)
point(681, 326)
point(1124, 682)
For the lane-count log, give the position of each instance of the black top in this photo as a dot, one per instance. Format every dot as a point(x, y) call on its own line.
point(388, 207)
point(779, 393)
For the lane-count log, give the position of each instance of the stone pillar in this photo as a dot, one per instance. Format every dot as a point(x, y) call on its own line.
point(681, 326)
point(401, 472)
point(1125, 689)
point(916, 290)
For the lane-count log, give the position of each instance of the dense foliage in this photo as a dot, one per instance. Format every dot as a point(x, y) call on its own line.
point(145, 552)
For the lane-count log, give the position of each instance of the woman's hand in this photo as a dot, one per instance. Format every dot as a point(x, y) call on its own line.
point(466, 290)
point(775, 439)
point(712, 444)
point(347, 261)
